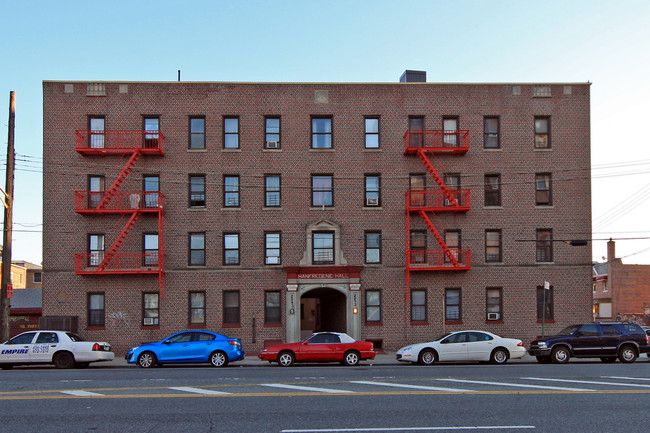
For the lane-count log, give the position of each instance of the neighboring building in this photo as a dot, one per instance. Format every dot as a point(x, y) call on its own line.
point(25, 311)
point(18, 276)
point(621, 292)
point(267, 211)
point(34, 274)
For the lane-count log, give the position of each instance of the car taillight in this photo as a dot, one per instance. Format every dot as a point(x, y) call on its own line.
point(235, 343)
point(96, 347)
point(520, 344)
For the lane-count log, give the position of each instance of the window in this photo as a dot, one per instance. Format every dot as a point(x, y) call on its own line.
point(38, 277)
point(197, 249)
point(493, 250)
point(452, 239)
point(151, 249)
point(452, 181)
point(322, 190)
point(151, 189)
point(272, 190)
point(492, 190)
point(493, 310)
point(231, 248)
point(272, 307)
point(417, 187)
point(95, 249)
point(418, 240)
point(231, 308)
point(372, 197)
point(272, 248)
point(544, 303)
point(373, 306)
point(197, 133)
point(452, 305)
point(196, 308)
point(372, 132)
point(151, 129)
point(272, 133)
point(96, 312)
point(321, 133)
point(231, 191)
point(544, 245)
point(150, 309)
point(416, 131)
point(95, 191)
point(450, 134)
point(373, 247)
point(418, 305)
point(543, 195)
point(231, 133)
point(491, 133)
point(542, 133)
point(323, 248)
point(97, 129)
point(197, 191)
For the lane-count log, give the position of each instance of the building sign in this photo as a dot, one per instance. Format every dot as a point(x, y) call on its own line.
point(324, 276)
point(304, 273)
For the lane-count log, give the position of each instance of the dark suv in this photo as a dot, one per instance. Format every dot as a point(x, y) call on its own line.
point(607, 341)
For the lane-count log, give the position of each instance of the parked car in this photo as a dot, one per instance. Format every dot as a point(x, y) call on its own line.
point(61, 348)
point(320, 347)
point(188, 347)
point(646, 329)
point(462, 346)
point(607, 341)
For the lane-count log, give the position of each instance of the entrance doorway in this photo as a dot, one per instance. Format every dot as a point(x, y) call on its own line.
point(322, 309)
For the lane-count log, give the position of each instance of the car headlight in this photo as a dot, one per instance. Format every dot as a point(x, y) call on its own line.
point(134, 348)
point(542, 345)
point(265, 350)
point(407, 349)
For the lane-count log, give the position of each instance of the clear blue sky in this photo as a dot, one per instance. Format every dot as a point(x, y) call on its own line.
point(604, 42)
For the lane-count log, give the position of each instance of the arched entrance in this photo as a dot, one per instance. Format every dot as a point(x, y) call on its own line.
point(322, 309)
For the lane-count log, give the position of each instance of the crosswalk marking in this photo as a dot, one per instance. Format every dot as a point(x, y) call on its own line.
point(399, 385)
point(518, 385)
point(592, 382)
point(197, 390)
point(80, 393)
point(304, 388)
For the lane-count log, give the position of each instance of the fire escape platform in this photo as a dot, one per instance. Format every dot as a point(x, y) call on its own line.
point(123, 202)
point(436, 141)
point(119, 142)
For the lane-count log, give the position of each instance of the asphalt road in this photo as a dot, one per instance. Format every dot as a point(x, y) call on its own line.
point(518, 397)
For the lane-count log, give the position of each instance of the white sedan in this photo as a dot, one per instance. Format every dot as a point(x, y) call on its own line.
point(61, 348)
point(464, 346)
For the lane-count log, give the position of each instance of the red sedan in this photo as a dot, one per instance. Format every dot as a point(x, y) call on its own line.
point(320, 347)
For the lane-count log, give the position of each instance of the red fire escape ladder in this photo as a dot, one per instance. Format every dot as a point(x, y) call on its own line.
point(119, 180)
point(439, 238)
point(118, 241)
point(436, 177)
point(161, 250)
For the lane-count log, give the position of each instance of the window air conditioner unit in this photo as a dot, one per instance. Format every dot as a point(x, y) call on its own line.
point(372, 201)
point(272, 144)
point(493, 316)
point(148, 321)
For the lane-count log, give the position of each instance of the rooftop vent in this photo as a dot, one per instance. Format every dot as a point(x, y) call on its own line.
point(413, 77)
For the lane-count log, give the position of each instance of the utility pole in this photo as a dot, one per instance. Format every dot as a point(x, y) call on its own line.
point(5, 303)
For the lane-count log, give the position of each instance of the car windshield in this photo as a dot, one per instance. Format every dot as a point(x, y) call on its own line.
point(569, 330)
point(74, 337)
point(440, 337)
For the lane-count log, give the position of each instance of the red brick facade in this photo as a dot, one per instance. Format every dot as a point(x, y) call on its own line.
point(67, 108)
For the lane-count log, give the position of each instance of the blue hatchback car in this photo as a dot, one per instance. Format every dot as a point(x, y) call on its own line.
point(190, 347)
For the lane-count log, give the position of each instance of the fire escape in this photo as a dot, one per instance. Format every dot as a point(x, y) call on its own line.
point(130, 205)
point(427, 203)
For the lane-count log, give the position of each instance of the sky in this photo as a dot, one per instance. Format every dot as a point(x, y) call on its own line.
point(605, 43)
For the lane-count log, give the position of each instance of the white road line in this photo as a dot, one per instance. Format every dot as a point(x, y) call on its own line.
point(399, 385)
point(475, 427)
point(592, 382)
point(626, 378)
point(79, 393)
point(197, 390)
point(518, 385)
point(303, 388)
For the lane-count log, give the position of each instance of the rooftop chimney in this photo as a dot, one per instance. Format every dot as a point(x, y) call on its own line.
point(413, 77)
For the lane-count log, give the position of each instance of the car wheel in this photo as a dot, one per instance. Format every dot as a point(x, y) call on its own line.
point(627, 354)
point(608, 359)
point(351, 358)
point(543, 359)
point(64, 360)
point(427, 357)
point(218, 359)
point(286, 359)
point(147, 360)
point(499, 356)
point(560, 355)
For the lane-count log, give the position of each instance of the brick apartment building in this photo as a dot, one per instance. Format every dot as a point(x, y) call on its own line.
point(265, 211)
